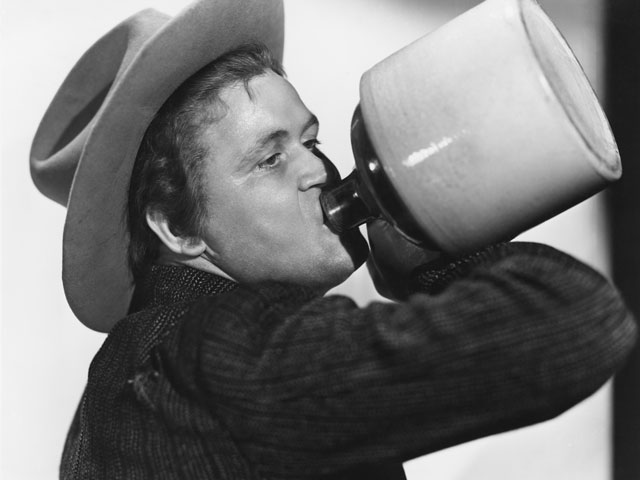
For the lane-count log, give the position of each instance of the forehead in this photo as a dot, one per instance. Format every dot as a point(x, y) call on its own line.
point(268, 102)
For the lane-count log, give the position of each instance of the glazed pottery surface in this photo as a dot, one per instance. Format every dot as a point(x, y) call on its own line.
point(487, 126)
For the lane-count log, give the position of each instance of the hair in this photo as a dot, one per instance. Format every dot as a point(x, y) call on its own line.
point(166, 174)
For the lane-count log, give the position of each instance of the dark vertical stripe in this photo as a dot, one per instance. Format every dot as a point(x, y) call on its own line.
point(623, 108)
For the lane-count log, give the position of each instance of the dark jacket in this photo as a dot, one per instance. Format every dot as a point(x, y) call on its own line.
point(213, 380)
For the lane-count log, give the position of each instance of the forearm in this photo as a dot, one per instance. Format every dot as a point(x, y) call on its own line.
point(546, 331)
point(511, 336)
point(507, 338)
point(565, 327)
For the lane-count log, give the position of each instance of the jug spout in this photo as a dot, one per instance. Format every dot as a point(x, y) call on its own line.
point(344, 206)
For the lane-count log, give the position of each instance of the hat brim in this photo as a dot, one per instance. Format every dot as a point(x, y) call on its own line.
point(96, 275)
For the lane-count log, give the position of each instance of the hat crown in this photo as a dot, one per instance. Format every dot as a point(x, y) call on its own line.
point(63, 131)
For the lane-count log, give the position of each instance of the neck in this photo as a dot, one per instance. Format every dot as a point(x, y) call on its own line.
point(167, 257)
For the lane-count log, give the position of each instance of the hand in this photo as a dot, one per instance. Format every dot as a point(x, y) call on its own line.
point(392, 260)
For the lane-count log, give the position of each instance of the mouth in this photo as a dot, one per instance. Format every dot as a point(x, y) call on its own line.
point(325, 218)
point(319, 213)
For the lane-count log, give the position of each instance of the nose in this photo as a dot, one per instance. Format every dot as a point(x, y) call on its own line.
point(318, 170)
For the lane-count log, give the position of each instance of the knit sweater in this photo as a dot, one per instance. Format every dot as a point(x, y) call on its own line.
point(208, 379)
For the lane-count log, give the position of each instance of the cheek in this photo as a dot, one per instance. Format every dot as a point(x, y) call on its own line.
point(275, 232)
point(256, 218)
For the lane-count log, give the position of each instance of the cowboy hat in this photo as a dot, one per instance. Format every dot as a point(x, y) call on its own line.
point(85, 147)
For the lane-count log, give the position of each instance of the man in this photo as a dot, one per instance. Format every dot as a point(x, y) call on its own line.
point(228, 362)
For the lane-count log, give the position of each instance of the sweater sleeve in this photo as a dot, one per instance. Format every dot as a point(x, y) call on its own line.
point(503, 339)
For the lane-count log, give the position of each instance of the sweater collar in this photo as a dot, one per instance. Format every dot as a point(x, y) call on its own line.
point(167, 284)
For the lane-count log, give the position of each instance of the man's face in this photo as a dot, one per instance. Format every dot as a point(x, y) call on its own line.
point(262, 181)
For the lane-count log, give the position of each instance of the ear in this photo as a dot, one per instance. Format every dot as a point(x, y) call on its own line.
point(185, 246)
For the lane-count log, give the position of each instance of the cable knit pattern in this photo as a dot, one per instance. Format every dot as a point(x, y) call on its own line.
point(208, 379)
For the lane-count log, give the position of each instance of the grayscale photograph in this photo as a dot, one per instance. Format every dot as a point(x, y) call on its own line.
point(320, 239)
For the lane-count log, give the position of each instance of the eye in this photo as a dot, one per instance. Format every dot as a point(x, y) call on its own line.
point(311, 144)
point(272, 162)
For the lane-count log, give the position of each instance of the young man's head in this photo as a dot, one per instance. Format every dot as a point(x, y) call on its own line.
point(228, 179)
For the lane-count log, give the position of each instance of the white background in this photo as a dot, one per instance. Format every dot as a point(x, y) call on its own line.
point(45, 352)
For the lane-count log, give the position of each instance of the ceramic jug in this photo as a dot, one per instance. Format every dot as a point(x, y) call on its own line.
point(474, 133)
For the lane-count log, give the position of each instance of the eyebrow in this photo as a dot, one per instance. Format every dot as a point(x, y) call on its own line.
point(274, 136)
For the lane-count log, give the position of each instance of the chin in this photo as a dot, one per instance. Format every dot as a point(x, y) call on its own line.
point(353, 252)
